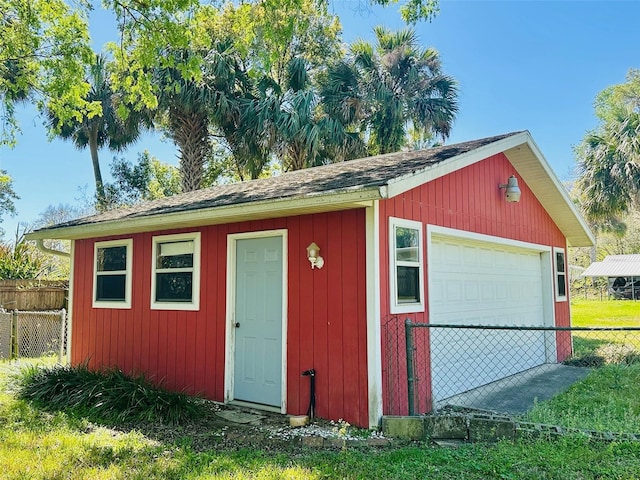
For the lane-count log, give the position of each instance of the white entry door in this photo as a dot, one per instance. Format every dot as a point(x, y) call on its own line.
point(258, 320)
point(483, 283)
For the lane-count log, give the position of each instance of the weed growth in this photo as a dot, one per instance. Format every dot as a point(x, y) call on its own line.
point(607, 400)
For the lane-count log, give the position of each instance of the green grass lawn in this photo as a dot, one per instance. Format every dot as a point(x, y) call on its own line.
point(35, 444)
point(609, 398)
point(607, 313)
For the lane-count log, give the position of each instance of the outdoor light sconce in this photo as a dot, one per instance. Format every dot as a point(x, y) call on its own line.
point(512, 191)
point(313, 254)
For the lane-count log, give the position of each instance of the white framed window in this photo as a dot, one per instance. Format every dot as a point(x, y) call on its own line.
point(112, 269)
point(406, 278)
point(560, 272)
point(175, 272)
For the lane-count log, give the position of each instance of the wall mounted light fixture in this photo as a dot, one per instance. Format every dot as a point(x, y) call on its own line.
point(313, 254)
point(512, 191)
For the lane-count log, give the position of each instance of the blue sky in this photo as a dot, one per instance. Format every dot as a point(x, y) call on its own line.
point(521, 65)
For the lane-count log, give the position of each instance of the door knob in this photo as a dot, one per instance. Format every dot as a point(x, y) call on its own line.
point(237, 324)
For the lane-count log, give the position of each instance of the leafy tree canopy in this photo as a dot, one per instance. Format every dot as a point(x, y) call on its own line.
point(153, 31)
point(7, 196)
point(615, 101)
point(148, 179)
point(44, 45)
point(414, 11)
point(609, 156)
point(269, 34)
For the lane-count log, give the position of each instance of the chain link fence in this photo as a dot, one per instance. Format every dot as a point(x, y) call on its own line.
point(430, 367)
point(32, 334)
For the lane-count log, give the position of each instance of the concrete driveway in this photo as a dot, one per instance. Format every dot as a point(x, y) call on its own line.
point(518, 393)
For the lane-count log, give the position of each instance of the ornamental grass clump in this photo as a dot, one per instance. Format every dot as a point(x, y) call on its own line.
point(108, 396)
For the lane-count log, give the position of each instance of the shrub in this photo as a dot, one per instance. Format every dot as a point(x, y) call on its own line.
point(105, 396)
point(21, 261)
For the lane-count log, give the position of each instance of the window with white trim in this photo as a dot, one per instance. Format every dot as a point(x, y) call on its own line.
point(560, 270)
point(175, 280)
point(112, 274)
point(405, 266)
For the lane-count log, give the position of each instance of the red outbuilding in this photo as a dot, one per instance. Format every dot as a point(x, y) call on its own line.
point(232, 292)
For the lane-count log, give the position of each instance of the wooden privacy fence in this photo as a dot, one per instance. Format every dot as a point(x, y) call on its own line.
point(32, 334)
point(32, 294)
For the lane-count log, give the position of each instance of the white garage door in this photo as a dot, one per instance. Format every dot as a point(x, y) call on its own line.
point(482, 283)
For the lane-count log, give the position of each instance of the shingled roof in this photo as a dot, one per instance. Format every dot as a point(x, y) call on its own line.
point(324, 188)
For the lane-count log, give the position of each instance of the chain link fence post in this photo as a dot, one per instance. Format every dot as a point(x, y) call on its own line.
point(410, 371)
point(63, 332)
point(14, 336)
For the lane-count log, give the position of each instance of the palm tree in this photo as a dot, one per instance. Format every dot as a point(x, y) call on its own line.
point(308, 136)
point(389, 87)
point(220, 103)
point(609, 167)
point(185, 104)
point(108, 128)
point(245, 116)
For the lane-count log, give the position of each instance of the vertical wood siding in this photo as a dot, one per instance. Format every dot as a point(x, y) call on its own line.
point(184, 350)
point(467, 199)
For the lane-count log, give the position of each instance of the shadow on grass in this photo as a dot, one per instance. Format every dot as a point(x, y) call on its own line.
point(597, 352)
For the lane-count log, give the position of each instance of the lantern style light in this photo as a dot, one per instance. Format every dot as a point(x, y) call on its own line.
point(313, 254)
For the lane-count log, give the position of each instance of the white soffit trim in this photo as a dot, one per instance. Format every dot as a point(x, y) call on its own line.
point(534, 169)
point(407, 182)
point(217, 215)
point(531, 165)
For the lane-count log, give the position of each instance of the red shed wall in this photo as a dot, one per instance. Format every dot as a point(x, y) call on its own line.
point(186, 349)
point(467, 199)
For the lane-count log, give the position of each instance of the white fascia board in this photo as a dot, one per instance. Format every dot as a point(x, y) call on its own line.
point(402, 184)
point(560, 187)
point(217, 215)
point(407, 182)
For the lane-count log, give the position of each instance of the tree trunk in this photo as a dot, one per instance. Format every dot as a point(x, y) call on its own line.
point(97, 174)
point(191, 134)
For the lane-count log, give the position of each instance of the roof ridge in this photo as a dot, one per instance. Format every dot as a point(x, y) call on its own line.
point(348, 176)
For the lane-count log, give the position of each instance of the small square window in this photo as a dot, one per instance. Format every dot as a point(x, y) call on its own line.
point(176, 270)
point(406, 277)
point(112, 274)
point(560, 270)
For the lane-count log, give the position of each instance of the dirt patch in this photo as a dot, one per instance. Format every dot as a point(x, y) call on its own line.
point(224, 427)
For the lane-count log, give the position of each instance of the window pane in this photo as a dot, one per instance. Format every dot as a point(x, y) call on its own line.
point(175, 248)
point(408, 285)
point(111, 259)
point(174, 287)
point(110, 288)
point(407, 244)
point(176, 261)
point(175, 255)
point(562, 288)
point(560, 262)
